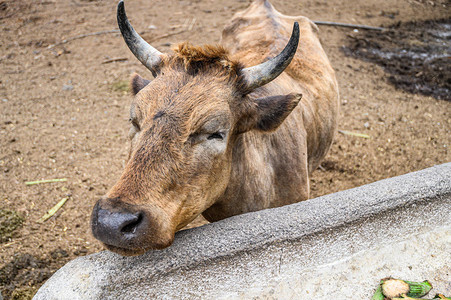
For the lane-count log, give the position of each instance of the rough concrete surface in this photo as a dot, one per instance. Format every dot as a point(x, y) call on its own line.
point(338, 245)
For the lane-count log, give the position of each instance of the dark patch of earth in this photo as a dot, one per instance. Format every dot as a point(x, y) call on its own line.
point(417, 55)
point(25, 273)
point(10, 221)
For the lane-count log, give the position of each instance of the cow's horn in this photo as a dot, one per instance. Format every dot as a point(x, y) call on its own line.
point(146, 54)
point(263, 73)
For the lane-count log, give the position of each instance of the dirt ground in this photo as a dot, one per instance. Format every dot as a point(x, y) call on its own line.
point(64, 111)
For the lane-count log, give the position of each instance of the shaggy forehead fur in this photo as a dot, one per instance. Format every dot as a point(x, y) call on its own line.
point(206, 58)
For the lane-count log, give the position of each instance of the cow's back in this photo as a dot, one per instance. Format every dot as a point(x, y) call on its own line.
point(260, 32)
point(272, 169)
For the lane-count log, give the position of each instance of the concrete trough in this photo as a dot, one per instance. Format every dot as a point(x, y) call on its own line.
point(333, 247)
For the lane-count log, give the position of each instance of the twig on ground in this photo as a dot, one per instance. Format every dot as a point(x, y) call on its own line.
point(114, 60)
point(153, 39)
point(192, 24)
point(349, 25)
point(10, 243)
point(45, 181)
point(14, 72)
point(53, 210)
point(362, 135)
point(187, 26)
point(83, 36)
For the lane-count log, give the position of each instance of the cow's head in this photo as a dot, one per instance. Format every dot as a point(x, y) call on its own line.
point(183, 127)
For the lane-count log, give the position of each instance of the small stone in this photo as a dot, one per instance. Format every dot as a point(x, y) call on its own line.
point(68, 87)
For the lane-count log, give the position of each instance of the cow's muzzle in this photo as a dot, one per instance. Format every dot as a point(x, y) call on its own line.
point(125, 229)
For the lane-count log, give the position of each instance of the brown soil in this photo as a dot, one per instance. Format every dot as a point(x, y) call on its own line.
point(64, 112)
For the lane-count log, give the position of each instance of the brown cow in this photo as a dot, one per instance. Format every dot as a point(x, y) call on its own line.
point(221, 130)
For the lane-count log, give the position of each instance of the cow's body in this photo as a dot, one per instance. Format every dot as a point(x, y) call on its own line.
point(272, 169)
point(221, 130)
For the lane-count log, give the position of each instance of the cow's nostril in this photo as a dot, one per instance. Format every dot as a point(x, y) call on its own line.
point(130, 225)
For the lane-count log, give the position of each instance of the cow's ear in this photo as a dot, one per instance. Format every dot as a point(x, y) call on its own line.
point(272, 111)
point(138, 83)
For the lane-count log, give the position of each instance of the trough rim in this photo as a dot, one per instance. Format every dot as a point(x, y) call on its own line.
point(250, 231)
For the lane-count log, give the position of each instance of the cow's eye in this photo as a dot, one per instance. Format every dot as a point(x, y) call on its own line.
point(216, 136)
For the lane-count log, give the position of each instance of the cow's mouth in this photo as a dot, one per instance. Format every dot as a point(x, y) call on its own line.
point(125, 251)
point(137, 250)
